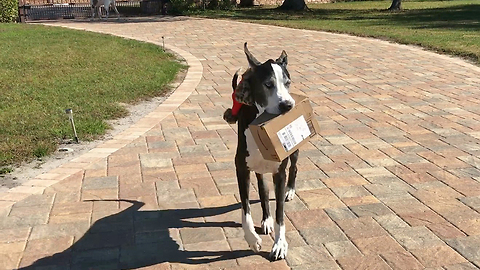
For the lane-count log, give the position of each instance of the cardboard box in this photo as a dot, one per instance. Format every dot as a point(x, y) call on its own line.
point(279, 136)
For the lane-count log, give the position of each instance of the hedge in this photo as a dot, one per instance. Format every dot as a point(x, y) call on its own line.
point(8, 10)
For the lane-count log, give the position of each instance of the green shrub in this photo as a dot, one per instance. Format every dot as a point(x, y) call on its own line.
point(8, 10)
point(221, 4)
point(181, 6)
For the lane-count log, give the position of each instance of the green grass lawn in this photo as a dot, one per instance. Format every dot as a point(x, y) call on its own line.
point(451, 27)
point(45, 70)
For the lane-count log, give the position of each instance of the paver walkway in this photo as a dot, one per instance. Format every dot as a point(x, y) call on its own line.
point(391, 183)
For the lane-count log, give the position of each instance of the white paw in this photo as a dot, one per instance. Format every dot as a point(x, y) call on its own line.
point(289, 194)
point(254, 241)
point(279, 250)
point(252, 238)
point(267, 225)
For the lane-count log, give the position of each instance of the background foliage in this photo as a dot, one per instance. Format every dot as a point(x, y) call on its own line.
point(8, 10)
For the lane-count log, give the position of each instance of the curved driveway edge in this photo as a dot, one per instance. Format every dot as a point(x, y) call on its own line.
point(77, 165)
point(392, 182)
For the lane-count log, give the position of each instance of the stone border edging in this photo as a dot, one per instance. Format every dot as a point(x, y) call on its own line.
point(39, 183)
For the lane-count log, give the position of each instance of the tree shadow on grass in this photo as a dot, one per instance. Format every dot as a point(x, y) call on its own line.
point(132, 239)
point(460, 17)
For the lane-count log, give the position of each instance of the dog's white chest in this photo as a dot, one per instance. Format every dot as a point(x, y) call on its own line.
point(255, 160)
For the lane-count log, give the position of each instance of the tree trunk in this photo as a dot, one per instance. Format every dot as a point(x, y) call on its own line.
point(396, 5)
point(293, 5)
point(246, 3)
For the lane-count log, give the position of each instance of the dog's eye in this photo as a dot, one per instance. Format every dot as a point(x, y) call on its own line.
point(269, 84)
point(287, 83)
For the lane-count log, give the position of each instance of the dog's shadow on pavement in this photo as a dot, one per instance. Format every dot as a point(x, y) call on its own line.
point(133, 239)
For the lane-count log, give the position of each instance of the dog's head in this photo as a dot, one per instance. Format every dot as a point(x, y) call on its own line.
point(266, 85)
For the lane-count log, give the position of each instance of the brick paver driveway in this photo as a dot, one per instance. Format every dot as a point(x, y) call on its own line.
point(391, 183)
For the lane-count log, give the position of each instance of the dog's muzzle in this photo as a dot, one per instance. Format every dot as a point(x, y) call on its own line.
point(285, 106)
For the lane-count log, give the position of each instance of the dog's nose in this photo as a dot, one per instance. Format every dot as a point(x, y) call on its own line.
point(285, 106)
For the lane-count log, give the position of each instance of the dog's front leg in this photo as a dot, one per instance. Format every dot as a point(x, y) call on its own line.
point(292, 176)
point(252, 238)
point(280, 246)
point(267, 220)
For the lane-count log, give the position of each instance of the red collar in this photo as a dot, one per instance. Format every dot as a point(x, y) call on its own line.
point(236, 105)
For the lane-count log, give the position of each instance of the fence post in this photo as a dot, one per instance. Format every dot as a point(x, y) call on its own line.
point(21, 11)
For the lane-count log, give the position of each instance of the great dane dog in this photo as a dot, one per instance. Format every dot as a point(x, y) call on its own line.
point(264, 87)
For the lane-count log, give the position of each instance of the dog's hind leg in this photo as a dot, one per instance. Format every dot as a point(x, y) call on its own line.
point(267, 220)
point(252, 238)
point(292, 176)
point(99, 11)
point(280, 246)
point(116, 11)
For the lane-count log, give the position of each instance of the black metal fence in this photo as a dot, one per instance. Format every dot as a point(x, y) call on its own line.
point(32, 12)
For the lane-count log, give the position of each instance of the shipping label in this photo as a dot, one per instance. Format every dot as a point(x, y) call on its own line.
point(294, 133)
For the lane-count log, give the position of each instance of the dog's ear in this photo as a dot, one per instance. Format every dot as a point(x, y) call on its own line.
point(282, 60)
point(243, 93)
point(252, 61)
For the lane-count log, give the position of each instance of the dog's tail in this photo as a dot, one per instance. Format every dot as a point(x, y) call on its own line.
point(229, 117)
point(228, 114)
